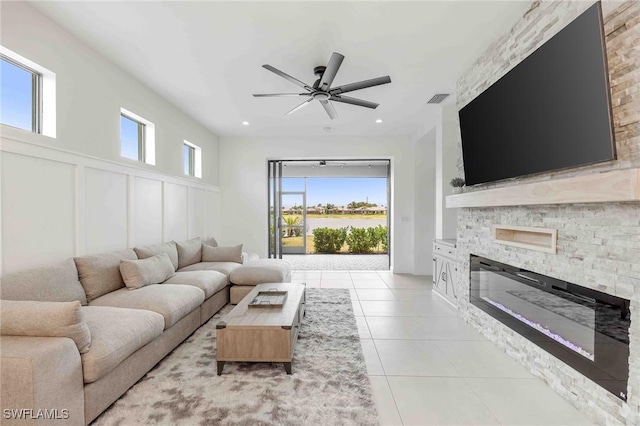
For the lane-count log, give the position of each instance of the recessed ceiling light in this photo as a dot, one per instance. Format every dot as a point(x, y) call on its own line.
point(245, 123)
point(378, 121)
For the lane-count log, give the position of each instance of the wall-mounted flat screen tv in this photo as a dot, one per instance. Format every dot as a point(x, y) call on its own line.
point(551, 111)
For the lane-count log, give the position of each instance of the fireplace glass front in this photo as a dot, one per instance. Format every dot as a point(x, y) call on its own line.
point(584, 328)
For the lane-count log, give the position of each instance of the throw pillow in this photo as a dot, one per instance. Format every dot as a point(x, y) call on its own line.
point(153, 270)
point(189, 252)
point(45, 319)
point(100, 274)
point(211, 242)
point(169, 248)
point(222, 254)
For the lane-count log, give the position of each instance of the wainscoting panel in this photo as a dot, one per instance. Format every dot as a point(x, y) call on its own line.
point(57, 204)
point(147, 211)
point(196, 212)
point(105, 206)
point(38, 211)
point(212, 209)
point(175, 212)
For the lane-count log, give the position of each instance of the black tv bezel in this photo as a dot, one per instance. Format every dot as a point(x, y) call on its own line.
point(614, 153)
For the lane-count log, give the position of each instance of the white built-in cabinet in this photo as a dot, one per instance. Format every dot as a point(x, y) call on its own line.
point(445, 269)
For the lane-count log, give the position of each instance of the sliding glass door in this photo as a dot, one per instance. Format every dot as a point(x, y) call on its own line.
point(275, 209)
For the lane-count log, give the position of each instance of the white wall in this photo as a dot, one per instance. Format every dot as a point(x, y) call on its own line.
point(74, 194)
point(243, 180)
point(57, 204)
point(447, 132)
point(424, 196)
point(90, 92)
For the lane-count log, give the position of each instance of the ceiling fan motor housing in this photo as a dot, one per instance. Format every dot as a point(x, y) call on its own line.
point(319, 70)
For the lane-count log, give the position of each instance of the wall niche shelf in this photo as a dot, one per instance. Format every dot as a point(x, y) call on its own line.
point(605, 187)
point(540, 239)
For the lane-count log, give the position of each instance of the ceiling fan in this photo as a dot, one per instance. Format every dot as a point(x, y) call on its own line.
point(321, 90)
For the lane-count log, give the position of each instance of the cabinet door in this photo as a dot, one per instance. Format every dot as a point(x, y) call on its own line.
point(451, 279)
point(440, 284)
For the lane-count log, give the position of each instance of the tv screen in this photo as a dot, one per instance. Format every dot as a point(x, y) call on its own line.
point(551, 111)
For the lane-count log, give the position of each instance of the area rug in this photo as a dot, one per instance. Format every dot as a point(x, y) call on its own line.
point(329, 384)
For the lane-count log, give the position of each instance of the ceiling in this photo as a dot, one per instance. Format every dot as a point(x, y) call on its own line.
point(206, 57)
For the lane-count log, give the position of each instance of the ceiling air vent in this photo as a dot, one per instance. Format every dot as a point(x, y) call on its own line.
point(438, 98)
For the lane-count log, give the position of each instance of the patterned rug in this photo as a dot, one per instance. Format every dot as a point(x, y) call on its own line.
point(329, 384)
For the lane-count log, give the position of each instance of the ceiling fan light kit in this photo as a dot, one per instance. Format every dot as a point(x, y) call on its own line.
point(321, 89)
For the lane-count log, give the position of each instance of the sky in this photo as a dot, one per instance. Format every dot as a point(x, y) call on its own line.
point(338, 191)
point(15, 100)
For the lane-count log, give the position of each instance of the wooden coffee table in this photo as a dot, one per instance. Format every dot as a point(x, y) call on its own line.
point(249, 334)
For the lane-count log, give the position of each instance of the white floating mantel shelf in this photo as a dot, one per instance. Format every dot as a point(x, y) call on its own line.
point(606, 187)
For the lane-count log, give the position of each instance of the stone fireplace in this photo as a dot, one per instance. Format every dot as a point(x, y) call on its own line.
point(598, 244)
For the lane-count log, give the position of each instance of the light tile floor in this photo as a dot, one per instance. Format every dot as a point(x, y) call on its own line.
point(342, 262)
point(428, 367)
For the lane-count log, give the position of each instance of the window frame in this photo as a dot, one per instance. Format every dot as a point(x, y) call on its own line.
point(191, 153)
point(141, 138)
point(36, 94)
point(195, 159)
point(146, 138)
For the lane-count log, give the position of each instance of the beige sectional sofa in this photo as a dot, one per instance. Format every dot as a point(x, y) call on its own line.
point(130, 329)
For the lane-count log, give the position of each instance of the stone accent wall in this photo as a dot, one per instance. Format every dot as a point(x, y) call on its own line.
point(598, 244)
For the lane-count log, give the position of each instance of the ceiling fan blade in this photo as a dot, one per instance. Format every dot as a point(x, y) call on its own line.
point(288, 77)
point(302, 105)
point(328, 106)
point(354, 101)
point(360, 85)
point(330, 72)
point(266, 95)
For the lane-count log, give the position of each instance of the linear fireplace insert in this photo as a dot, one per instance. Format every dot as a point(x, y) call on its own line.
point(584, 328)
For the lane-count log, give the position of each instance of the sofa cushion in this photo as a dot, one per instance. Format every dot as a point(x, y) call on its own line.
point(45, 319)
point(210, 282)
point(56, 283)
point(189, 252)
point(262, 271)
point(224, 267)
point(141, 272)
point(222, 254)
point(100, 273)
point(169, 248)
point(171, 301)
point(117, 333)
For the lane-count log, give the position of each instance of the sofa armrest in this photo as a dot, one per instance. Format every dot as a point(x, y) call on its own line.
point(41, 381)
point(248, 257)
